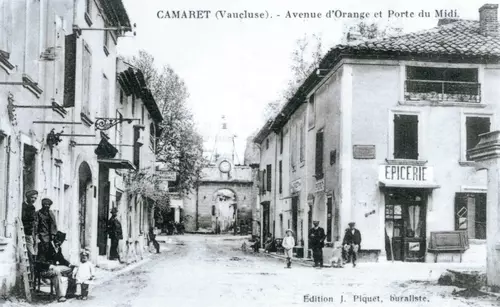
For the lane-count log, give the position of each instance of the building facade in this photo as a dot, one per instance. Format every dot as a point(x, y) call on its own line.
point(387, 127)
point(59, 93)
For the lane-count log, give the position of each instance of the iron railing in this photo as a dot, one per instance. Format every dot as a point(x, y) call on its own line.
point(436, 90)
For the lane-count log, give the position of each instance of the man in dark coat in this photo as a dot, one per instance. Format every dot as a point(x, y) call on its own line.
point(28, 216)
point(52, 264)
point(115, 234)
point(45, 225)
point(317, 242)
point(351, 243)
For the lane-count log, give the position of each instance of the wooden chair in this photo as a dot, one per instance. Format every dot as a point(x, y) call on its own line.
point(38, 281)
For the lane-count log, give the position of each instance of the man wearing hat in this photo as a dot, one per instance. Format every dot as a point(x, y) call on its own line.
point(28, 218)
point(351, 243)
point(45, 225)
point(115, 234)
point(52, 264)
point(317, 242)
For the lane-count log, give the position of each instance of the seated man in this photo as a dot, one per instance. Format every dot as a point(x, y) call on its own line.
point(51, 264)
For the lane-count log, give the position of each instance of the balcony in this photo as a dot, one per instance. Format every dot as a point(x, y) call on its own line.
point(436, 91)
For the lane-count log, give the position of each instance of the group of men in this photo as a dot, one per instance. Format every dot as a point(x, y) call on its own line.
point(44, 240)
point(350, 245)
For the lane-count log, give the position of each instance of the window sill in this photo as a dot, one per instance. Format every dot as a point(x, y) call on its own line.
point(467, 163)
point(88, 20)
point(86, 119)
point(5, 64)
point(302, 163)
point(106, 51)
point(32, 86)
point(311, 127)
point(477, 241)
point(425, 103)
point(406, 162)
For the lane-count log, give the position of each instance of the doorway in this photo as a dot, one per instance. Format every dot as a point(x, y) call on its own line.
point(405, 224)
point(29, 168)
point(295, 214)
point(103, 209)
point(84, 196)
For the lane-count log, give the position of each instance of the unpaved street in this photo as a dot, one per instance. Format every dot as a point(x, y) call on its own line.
point(196, 270)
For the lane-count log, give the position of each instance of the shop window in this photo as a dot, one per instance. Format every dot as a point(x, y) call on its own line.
point(475, 126)
point(405, 136)
point(269, 176)
point(319, 155)
point(470, 214)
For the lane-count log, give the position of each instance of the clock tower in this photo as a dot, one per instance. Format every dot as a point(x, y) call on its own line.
point(223, 154)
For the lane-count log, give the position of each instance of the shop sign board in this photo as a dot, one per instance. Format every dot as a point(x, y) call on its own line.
point(406, 173)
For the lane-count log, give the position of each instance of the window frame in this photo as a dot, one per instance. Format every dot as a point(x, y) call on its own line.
point(476, 196)
point(421, 132)
point(463, 132)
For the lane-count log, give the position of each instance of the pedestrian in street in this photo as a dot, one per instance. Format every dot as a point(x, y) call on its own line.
point(52, 264)
point(317, 242)
point(83, 274)
point(288, 244)
point(268, 245)
point(152, 239)
point(115, 234)
point(28, 216)
point(45, 226)
point(352, 244)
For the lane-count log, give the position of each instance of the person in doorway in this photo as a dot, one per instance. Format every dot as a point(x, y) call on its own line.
point(52, 264)
point(268, 245)
point(115, 234)
point(352, 244)
point(28, 216)
point(45, 226)
point(317, 242)
point(288, 244)
point(152, 239)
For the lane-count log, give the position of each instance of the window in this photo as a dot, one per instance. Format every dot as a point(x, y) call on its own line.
point(280, 178)
point(475, 126)
point(86, 82)
point(152, 137)
point(312, 112)
point(302, 141)
point(263, 182)
point(269, 176)
point(106, 35)
point(88, 12)
point(281, 142)
point(405, 136)
point(267, 143)
point(293, 147)
point(133, 104)
point(470, 214)
point(122, 96)
point(319, 155)
point(142, 115)
point(105, 96)
point(434, 83)
point(137, 147)
point(329, 213)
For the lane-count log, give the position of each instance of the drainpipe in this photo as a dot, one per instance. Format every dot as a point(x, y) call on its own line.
point(276, 185)
point(7, 149)
point(305, 218)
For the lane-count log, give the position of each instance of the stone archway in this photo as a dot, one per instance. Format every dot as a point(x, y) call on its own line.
point(85, 192)
point(224, 210)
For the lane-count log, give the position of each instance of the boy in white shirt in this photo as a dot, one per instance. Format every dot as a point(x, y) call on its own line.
point(84, 273)
point(288, 244)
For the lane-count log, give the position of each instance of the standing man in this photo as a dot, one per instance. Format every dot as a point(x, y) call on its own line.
point(28, 218)
point(352, 244)
point(115, 234)
point(45, 226)
point(317, 242)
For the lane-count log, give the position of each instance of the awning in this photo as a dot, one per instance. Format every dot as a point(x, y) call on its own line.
point(117, 163)
point(409, 185)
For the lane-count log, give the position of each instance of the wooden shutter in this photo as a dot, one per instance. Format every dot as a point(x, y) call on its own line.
point(86, 84)
point(69, 70)
point(319, 154)
point(269, 176)
point(405, 136)
point(280, 176)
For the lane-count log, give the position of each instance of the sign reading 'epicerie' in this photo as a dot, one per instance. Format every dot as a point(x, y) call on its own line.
point(406, 173)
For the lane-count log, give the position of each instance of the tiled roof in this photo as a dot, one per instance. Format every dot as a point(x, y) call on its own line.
point(461, 37)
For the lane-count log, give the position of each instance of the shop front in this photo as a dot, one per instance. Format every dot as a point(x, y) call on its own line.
point(406, 191)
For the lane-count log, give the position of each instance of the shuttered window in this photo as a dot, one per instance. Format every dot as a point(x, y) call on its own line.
point(319, 155)
point(69, 70)
point(280, 165)
point(475, 126)
point(86, 82)
point(264, 182)
point(405, 136)
point(302, 141)
point(269, 176)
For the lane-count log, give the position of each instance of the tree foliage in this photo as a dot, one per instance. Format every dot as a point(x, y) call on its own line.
point(364, 30)
point(180, 146)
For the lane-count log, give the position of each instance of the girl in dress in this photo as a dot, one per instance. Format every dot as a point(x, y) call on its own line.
point(84, 273)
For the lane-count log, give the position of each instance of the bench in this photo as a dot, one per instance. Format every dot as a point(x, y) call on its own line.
point(448, 242)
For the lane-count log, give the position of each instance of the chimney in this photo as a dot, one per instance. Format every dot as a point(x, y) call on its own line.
point(488, 20)
point(445, 21)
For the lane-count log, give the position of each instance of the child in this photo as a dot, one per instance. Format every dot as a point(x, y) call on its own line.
point(83, 273)
point(336, 259)
point(288, 244)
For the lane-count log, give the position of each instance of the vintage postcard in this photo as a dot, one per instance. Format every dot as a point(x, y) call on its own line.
point(249, 153)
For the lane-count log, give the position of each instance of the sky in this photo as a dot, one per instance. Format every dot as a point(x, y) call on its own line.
point(234, 67)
